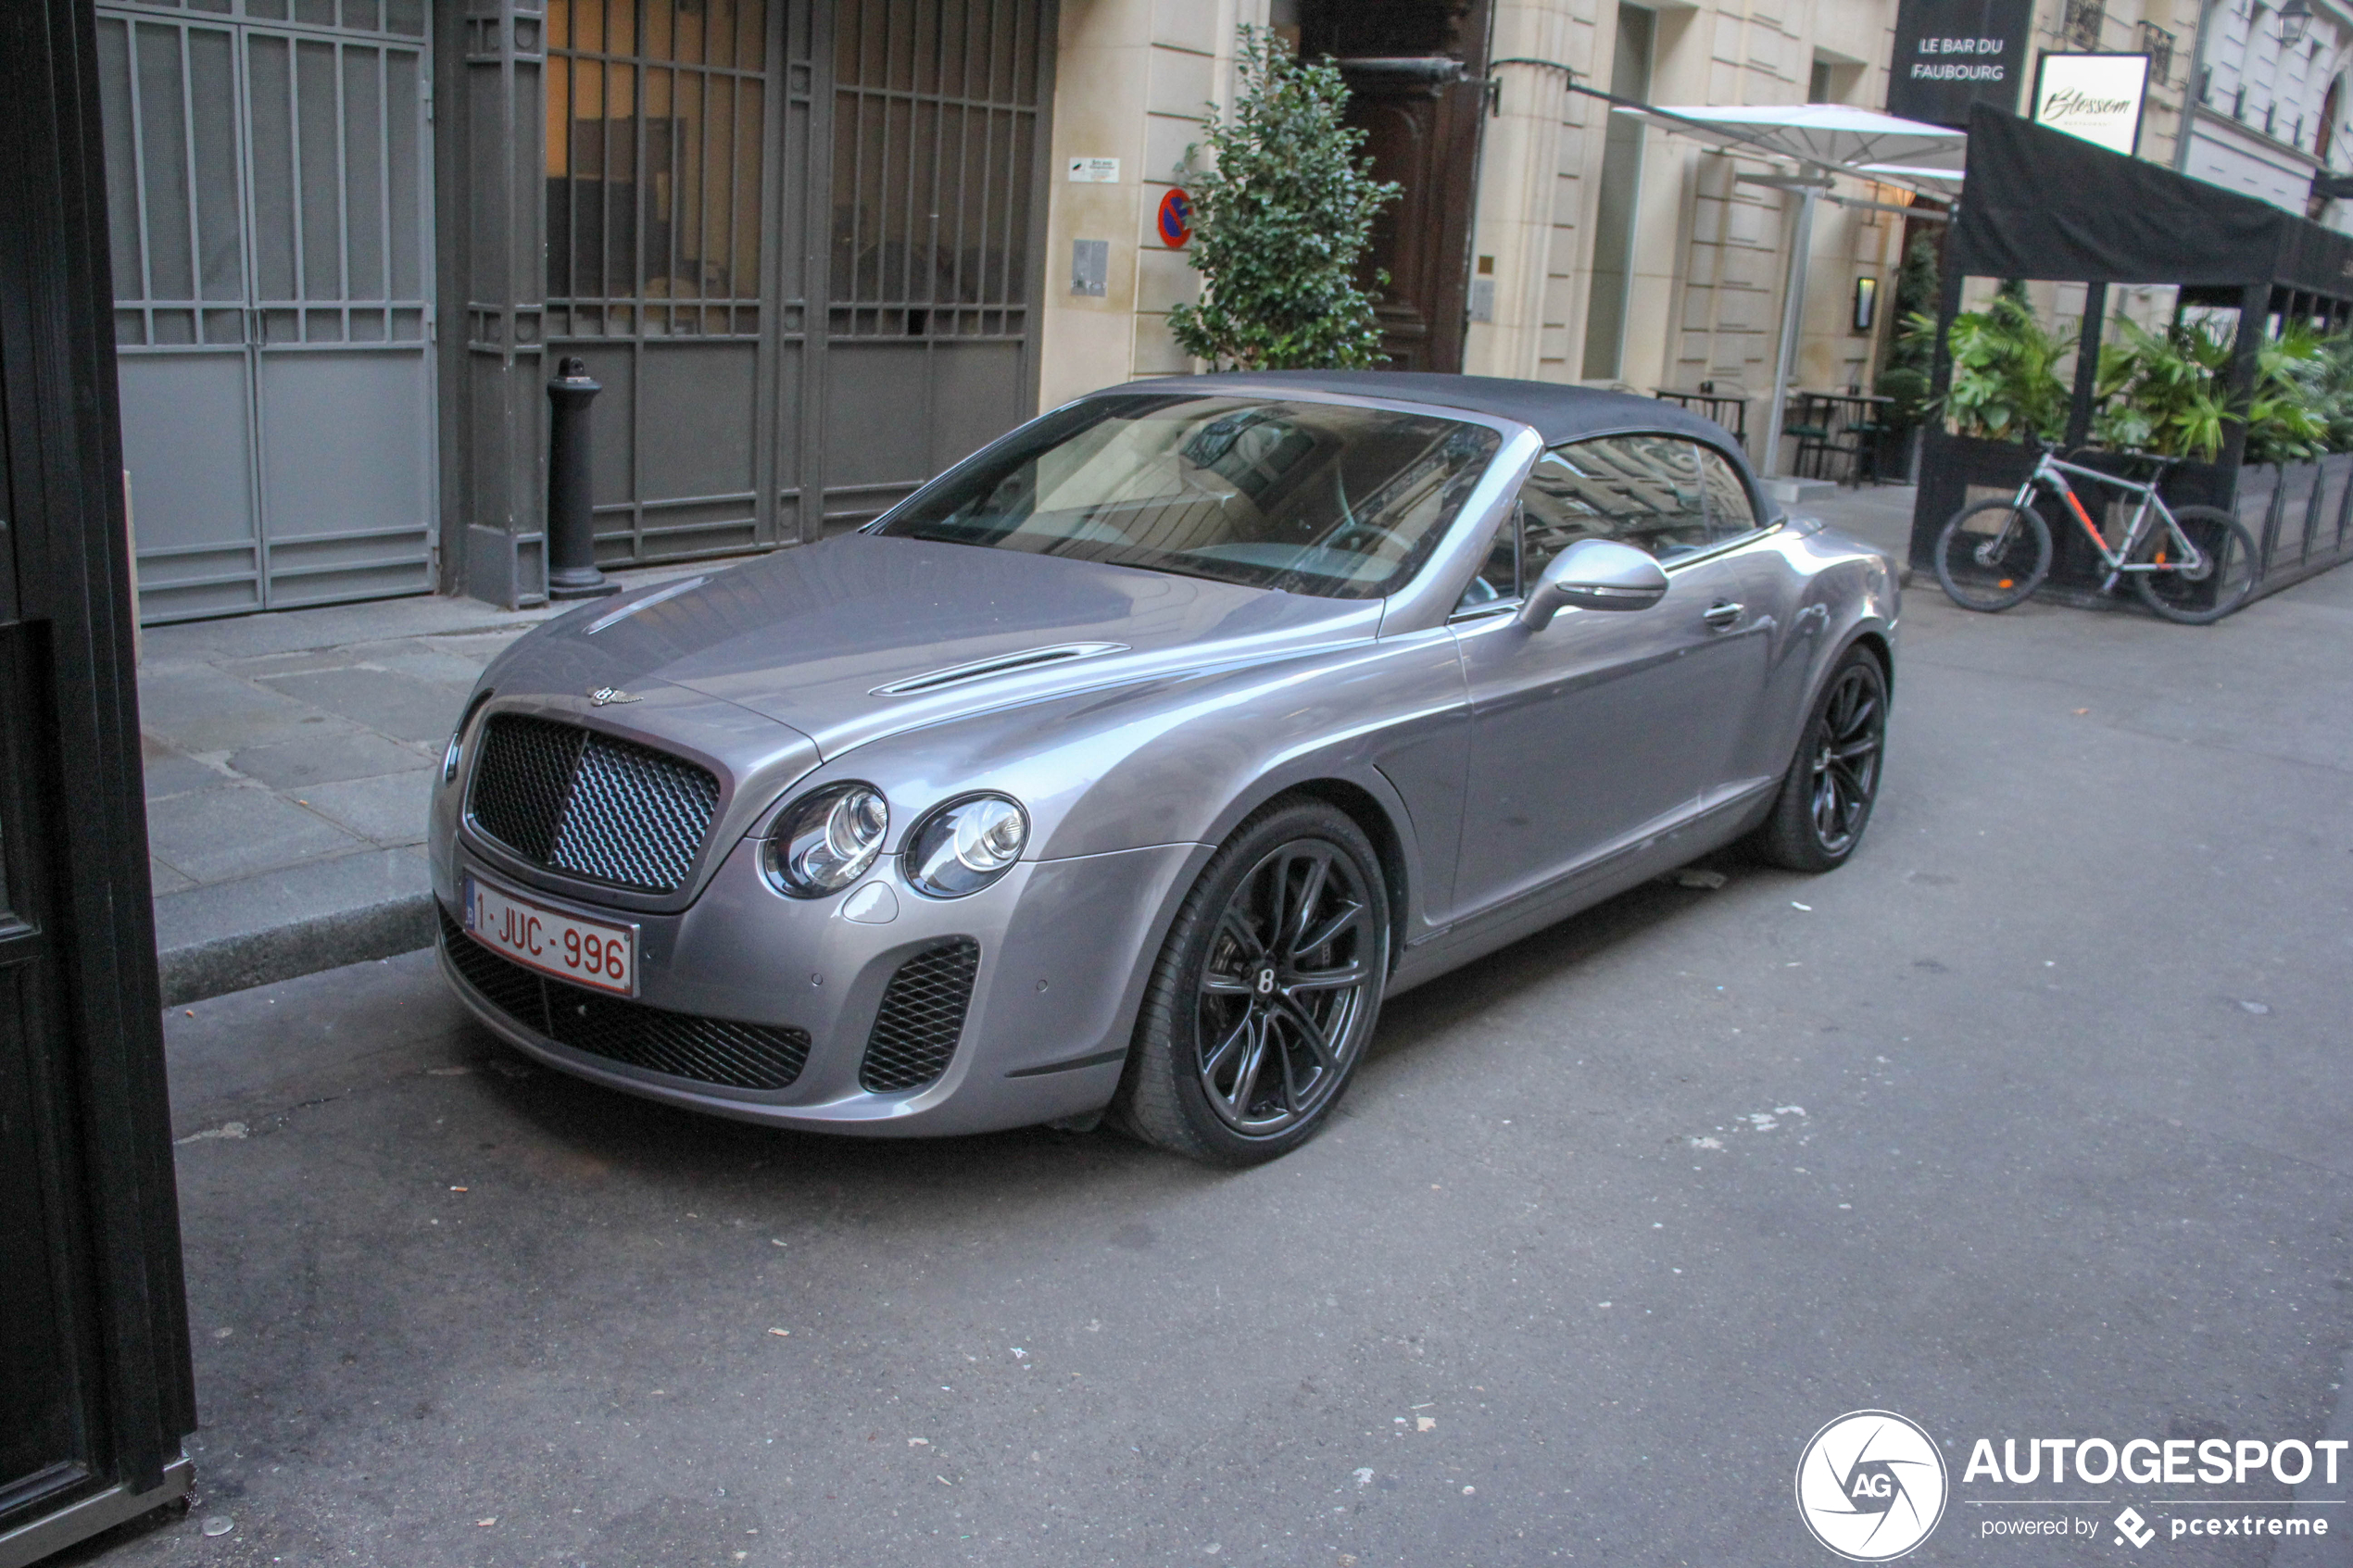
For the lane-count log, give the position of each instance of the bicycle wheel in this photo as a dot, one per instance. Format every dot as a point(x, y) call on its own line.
point(1994, 553)
point(2224, 580)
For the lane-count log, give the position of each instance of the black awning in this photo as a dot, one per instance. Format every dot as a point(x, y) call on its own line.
point(2042, 204)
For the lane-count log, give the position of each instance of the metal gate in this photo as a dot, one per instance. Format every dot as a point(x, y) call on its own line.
point(267, 176)
point(797, 242)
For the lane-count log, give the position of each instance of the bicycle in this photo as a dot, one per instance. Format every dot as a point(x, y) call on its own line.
point(2196, 568)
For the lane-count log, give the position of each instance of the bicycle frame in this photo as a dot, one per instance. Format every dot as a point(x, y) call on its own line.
point(2048, 475)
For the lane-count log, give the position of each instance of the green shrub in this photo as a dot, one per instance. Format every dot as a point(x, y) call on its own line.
point(1280, 223)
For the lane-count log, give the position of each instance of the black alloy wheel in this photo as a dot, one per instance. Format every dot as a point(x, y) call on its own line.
point(1278, 999)
point(1267, 991)
point(1826, 797)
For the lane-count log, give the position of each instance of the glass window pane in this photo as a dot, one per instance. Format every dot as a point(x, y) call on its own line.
point(1498, 577)
point(1308, 497)
point(1642, 490)
point(1730, 512)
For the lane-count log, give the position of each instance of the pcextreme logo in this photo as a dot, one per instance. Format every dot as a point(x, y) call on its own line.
point(1871, 1486)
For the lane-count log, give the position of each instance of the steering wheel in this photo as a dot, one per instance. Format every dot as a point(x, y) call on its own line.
point(1368, 531)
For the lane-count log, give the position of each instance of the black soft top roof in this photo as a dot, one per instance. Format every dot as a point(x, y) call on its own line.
point(1556, 412)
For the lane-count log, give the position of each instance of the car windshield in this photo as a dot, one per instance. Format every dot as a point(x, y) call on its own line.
point(1310, 497)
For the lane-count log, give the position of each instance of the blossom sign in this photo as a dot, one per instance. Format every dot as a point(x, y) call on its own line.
point(2097, 97)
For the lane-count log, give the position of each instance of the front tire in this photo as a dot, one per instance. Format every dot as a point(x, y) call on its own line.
point(1826, 797)
point(1266, 993)
point(2222, 585)
point(1992, 555)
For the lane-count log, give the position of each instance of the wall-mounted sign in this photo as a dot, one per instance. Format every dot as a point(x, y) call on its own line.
point(1950, 54)
point(2097, 97)
point(1175, 218)
point(1094, 171)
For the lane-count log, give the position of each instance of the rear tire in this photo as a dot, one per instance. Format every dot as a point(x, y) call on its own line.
point(1992, 555)
point(1266, 993)
point(1826, 797)
point(2215, 592)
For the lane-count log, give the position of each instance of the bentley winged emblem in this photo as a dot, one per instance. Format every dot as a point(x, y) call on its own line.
point(600, 696)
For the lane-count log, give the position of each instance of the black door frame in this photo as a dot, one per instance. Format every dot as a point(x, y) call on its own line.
point(91, 1136)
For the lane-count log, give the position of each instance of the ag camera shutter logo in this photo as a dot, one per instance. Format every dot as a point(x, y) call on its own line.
point(1871, 1486)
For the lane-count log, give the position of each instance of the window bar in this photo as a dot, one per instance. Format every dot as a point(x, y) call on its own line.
point(343, 195)
point(1009, 41)
point(294, 193)
point(679, 119)
point(932, 268)
point(384, 111)
point(963, 169)
point(848, 287)
point(885, 290)
point(731, 210)
point(196, 209)
point(139, 174)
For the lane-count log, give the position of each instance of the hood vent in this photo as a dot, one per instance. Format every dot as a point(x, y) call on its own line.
point(1004, 664)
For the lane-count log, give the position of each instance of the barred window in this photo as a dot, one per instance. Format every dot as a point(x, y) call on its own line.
point(2081, 23)
point(935, 128)
point(654, 113)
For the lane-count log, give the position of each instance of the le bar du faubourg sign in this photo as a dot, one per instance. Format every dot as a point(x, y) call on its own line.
point(2097, 97)
point(1950, 54)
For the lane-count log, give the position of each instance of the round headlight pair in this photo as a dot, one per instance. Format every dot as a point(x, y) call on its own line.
point(825, 841)
point(828, 839)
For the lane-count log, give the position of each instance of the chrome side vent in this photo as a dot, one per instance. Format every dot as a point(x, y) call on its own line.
point(1004, 664)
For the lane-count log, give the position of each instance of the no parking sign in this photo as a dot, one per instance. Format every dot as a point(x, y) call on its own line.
point(1176, 219)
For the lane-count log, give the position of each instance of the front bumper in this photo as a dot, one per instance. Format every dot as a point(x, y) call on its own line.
point(1065, 948)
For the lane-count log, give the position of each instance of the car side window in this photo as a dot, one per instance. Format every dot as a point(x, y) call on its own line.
point(1641, 490)
point(1731, 513)
point(1498, 575)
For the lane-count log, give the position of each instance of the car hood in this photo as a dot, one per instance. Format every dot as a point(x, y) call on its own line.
point(810, 637)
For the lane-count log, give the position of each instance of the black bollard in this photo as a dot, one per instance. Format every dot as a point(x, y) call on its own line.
point(571, 527)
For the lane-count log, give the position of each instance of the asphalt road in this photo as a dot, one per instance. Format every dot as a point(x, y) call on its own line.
point(2030, 1121)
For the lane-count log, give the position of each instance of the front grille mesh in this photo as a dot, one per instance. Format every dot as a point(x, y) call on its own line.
point(921, 1018)
point(709, 1051)
point(582, 801)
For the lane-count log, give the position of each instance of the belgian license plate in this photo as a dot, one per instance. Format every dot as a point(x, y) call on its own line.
point(586, 952)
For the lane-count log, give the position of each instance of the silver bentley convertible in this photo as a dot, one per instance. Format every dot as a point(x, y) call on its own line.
point(1128, 765)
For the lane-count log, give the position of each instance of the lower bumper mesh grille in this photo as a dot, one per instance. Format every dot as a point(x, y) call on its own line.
point(921, 1018)
point(708, 1050)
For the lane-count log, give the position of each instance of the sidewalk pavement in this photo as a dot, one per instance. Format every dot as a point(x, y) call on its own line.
point(289, 758)
point(290, 755)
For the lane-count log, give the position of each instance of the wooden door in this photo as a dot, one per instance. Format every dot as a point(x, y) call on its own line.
point(1417, 74)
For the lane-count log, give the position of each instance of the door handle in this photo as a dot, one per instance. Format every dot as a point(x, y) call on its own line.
point(1722, 615)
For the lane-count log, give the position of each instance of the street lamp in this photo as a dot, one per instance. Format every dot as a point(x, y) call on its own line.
point(2295, 16)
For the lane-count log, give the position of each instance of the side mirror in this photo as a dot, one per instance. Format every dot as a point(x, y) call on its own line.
point(1593, 574)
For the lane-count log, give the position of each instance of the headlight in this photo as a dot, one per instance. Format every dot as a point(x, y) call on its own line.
point(965, 845)
point(825, 841)
point(451, 757)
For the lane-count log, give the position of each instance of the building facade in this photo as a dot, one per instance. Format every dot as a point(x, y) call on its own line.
point(1596, 250)
point(815, 250)
point(2268, 111)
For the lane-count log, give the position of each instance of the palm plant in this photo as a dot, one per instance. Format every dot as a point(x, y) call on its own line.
point(2288, 419)
point(2163, 391)
point(2005, 383)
